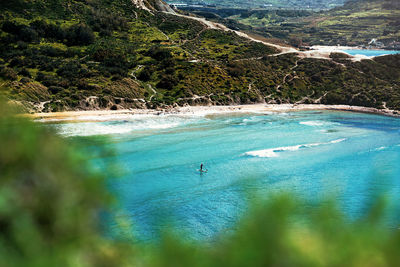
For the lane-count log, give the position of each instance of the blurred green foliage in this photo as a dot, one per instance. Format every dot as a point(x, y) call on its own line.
point(50, 198)
point(278, 232)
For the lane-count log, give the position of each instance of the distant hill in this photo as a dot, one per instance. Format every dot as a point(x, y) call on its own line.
point(302, 4)
point(356, 23)
point(102, 54)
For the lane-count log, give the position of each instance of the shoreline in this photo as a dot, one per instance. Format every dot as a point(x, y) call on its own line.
point(325, 51)
point(109, 115)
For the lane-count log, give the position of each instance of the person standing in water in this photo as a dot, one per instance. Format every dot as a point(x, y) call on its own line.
point(201, 168)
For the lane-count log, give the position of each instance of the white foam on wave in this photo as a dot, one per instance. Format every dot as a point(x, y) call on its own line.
point(273, 152)
point(312, 123)
point(119, 117)
point(337, 140)
point(92, 118)
point(253, 119)
point(120, 127)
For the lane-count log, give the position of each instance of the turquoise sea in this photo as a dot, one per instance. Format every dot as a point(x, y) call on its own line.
point(371, 52)
point(348, 156)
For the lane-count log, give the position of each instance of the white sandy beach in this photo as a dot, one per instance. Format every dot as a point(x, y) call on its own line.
point(107, 115)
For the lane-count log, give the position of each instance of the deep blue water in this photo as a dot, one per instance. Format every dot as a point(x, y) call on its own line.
point(370, 52)
point(314, 154)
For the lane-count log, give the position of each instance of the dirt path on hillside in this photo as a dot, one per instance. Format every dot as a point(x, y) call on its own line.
point(219, 26)
point(317, 53)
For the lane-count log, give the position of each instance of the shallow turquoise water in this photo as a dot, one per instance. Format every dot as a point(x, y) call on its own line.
point(350, 156)
point(371, 52)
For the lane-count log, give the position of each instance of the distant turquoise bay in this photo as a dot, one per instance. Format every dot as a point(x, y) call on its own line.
point(315, 154)
point(370, 52)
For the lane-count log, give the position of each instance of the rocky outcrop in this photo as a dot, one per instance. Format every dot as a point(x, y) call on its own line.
point(89, 103)
point(109, 102)
point(31, 90)
point(163, 7)
point(153, 5)
point(142, 5)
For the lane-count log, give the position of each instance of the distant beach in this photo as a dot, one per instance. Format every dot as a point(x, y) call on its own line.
point(106, 115)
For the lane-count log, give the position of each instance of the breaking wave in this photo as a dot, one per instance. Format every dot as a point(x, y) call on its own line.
point(120, 127)
point(273, 152)
point(312, 123)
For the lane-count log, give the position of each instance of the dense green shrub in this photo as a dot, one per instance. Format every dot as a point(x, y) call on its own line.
point(101, 20)
point(28, 34)
point(21, 32)
point(55, 89)
point(70, 70)
point(111, 57)
point(145, 74)
point(8, 73)
point(25, 72)
point(167, 82)
point(159, 53)
point(80, 34)
point(11, 27)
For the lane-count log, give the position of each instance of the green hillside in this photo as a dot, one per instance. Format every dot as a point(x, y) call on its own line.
point(310, 4)
point(102, 54)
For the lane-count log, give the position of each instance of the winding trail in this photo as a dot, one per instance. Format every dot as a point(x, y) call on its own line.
point(318, 53)
point(219, 26)
point(153, 90)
